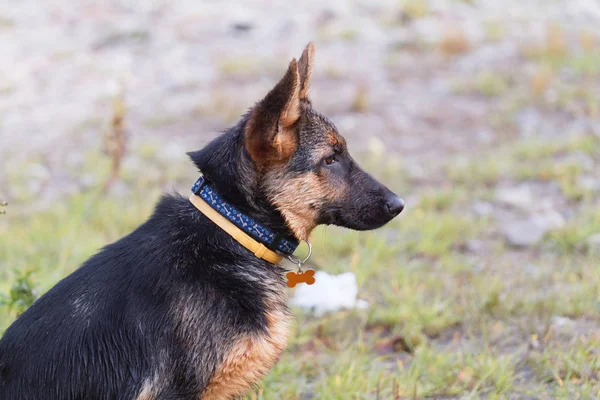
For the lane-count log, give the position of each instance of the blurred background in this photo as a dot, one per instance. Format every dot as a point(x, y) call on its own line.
point(483, 115)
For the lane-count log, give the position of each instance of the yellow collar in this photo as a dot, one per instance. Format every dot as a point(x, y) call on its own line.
point(259, 249)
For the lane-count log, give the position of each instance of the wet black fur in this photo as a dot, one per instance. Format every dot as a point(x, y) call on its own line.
point(96, 334)
point(102, 332)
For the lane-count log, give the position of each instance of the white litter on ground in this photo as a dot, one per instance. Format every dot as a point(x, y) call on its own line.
point(328, 293)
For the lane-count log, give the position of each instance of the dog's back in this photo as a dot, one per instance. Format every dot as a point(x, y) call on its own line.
point(69, 339)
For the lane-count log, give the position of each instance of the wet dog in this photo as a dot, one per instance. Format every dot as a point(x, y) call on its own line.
point(180, 308)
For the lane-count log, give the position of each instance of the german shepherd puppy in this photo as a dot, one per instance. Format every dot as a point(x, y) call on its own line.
point(178, 309)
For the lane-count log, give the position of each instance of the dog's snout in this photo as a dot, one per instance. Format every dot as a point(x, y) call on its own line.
point(394, 205)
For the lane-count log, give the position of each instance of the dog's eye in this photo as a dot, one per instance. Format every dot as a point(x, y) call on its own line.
point(331, 159)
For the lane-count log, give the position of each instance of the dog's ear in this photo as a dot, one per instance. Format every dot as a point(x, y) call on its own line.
point(271, 134)
point(305, 68)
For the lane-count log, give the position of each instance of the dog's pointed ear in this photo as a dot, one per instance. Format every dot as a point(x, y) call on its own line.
point(270, 132)
point(305, 68)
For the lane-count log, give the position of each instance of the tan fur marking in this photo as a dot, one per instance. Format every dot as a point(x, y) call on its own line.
point(147, 393)
point(249, 360)
point(298, 199)
point(285, 144)
point(335, 140)
point(286, 141)
point(265, 141)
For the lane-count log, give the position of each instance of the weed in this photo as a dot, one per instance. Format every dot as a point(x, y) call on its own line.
point(360, 101)
point(22, 293)
point(114, 140)
point(491, 84)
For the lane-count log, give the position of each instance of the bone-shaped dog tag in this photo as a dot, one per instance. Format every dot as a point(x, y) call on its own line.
point(294, 278)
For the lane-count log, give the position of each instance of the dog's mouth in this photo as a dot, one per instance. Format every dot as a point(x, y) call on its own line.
point(363, 218)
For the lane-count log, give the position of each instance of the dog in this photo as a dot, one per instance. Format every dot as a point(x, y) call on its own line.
point(184, 307)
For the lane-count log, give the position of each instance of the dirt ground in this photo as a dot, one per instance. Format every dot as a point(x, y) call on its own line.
point(428, 79)
point(476, 111)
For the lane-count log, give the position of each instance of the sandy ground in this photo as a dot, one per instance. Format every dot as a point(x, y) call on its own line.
point(431, 86)
point(189, 68)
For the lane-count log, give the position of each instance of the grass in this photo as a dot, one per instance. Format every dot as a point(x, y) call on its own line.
point(415, 8)
point(553, 54)
point(559, 162)
point(453, 312)
point(571, 239)
point(490, 84)
point(443, 322)
point(495, 31)
point(52, 243)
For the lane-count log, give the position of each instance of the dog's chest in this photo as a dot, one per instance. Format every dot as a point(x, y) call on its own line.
point(250, 358)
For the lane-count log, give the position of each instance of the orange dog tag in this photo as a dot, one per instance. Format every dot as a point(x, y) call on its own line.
point(294, 278)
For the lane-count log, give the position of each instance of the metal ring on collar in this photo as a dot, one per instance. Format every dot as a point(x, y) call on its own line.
point(299, 261)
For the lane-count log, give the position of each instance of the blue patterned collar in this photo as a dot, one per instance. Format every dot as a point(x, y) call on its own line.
point(266, 236)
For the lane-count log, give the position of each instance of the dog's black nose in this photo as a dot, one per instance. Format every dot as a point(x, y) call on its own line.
point(395, 205)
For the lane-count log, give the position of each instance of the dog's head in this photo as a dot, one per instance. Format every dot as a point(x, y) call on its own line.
point(301, 165)
point(304, 164)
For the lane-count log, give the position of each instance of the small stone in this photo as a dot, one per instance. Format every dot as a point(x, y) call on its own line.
point(549, 219)
point(582, 159)
point(172, 151)
point(528, 122)
point(242, 26)
point(119, 189)
point(590, 183)
point(562, 327)
point(483, 208)
point(518, 197)
point(416, 171)
point(475, 246)
point(74, 159)
point(39, 172)
point(560, 321)
point(593, 243)
point(523, 233)
point(485, 136)
point(88, 180)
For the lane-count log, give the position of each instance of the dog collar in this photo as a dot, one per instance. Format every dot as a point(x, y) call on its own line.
point(262, 241)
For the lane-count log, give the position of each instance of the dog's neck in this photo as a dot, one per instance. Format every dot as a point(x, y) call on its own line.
point(225, 163)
